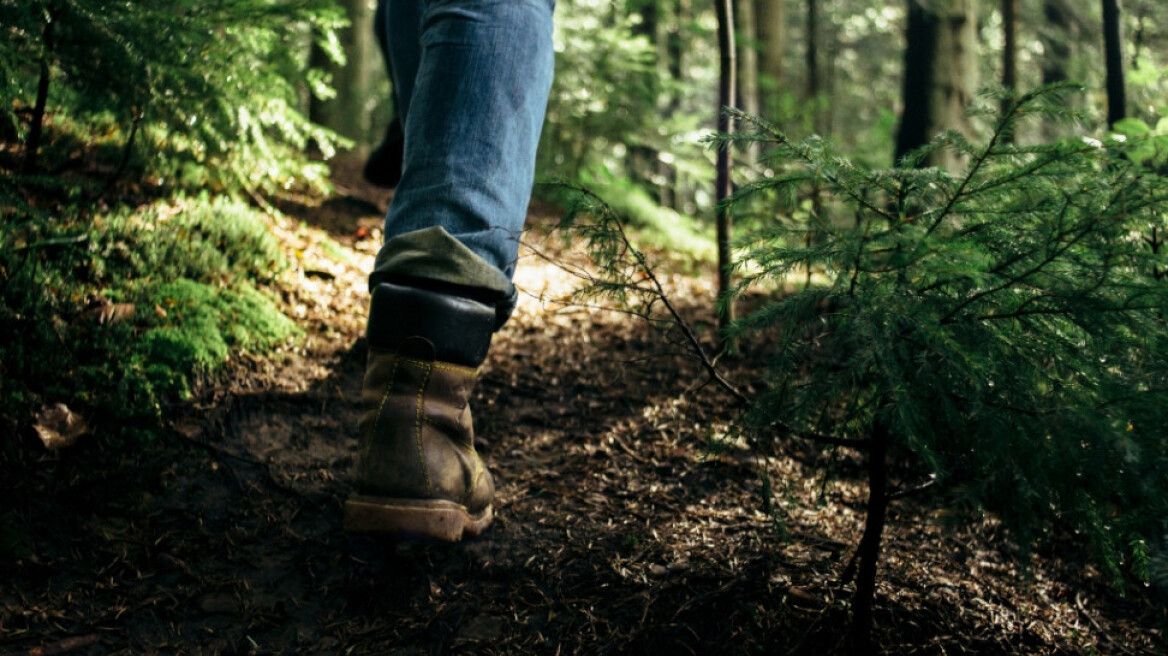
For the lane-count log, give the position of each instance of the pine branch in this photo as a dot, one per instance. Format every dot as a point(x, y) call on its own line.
point(857, 443)
point(978, 162)
point(656, 289)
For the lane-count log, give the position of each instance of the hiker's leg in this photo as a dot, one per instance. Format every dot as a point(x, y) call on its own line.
point(472, 84)
point(472, 89)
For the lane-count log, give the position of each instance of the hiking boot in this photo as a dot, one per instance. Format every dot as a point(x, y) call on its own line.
point(384, 166)
point(417, 471)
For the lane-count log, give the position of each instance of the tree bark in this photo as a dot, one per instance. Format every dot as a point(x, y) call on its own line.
point(811, 65)
point(1113, 49)
point(771, 18)
point(1056, 42)
point(868, 553)
point(920, 53)
point(726, 93)
point(747, 52)
point(1057, 36)
point(940, 74)
point(347, 113)
point(37, 124)
point(1009, 53)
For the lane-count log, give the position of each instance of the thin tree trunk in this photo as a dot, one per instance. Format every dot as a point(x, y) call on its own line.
point(868, 553)
point(1056, 42)
point(726, 92)
point(1137, 39)
point(811, 64)
point(1056, 34)
point(1009, 52)
point(37, 125)
point(127, 153)
point(679, 197)
point(1113, 47)
point(830, 37)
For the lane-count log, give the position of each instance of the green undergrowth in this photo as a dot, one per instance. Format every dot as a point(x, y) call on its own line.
point(654, 226)
point(119, 315)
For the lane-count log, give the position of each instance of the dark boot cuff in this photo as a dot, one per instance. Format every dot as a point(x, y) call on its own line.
point(504, 304)
point(458, 328)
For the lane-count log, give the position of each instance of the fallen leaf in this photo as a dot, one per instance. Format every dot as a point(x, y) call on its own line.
point(59, 427)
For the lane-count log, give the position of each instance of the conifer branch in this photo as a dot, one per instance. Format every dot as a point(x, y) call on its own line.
point(857, 443)
point(978, 162)
point(655, 290)
point(682, 325)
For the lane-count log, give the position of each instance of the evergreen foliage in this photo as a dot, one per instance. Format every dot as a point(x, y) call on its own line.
point(1004, 328)
point(211, 90)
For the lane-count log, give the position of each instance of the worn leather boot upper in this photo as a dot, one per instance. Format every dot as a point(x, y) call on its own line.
point(416, 431)
point(417, 439)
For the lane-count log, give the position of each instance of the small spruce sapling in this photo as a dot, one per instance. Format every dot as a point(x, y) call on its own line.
point(1002, 329)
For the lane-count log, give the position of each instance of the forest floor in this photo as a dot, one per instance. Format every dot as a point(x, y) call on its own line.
point(619, 530)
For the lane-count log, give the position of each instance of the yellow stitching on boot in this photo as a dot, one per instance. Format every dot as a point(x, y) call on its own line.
point(380, 409)
point(443, 366)
point(418, 429)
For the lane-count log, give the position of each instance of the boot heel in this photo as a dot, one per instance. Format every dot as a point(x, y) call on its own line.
point(431, 518)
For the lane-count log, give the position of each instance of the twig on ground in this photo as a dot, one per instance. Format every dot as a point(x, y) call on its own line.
point(60, 647)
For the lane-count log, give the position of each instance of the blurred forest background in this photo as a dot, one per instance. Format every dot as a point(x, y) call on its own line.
point(1007, 274)
point(637, 82)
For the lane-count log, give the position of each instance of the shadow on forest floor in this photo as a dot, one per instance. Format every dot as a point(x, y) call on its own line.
point(618, 530)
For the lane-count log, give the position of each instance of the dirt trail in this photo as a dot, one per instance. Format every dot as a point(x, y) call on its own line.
point(618, 530)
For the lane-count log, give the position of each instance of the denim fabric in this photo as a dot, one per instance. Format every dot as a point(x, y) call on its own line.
point(471, 84)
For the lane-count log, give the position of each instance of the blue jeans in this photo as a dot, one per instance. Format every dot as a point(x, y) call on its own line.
point(471, 79)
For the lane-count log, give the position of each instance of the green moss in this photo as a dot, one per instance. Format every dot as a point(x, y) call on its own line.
point(191, 269)
point(202, 325)
point(221, 239)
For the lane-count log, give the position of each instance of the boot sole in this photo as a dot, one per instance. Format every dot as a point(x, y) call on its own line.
point(437, 519)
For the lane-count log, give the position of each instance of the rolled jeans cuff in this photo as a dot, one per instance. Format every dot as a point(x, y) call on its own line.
point(432, 259)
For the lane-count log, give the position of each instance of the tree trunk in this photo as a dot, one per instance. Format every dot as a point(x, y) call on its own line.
point(1056, 34)
point(811, 65)
point(747, 51)
point(1009, 53)
point(940, 74)
point(37, 124)
point(726, 92)
point(829, 35)
point(347, 112)
point(672, 193)
point(1056, 40)
point(868, 553)
point(1113, 48)
point(771, 19)
point(668, 65)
